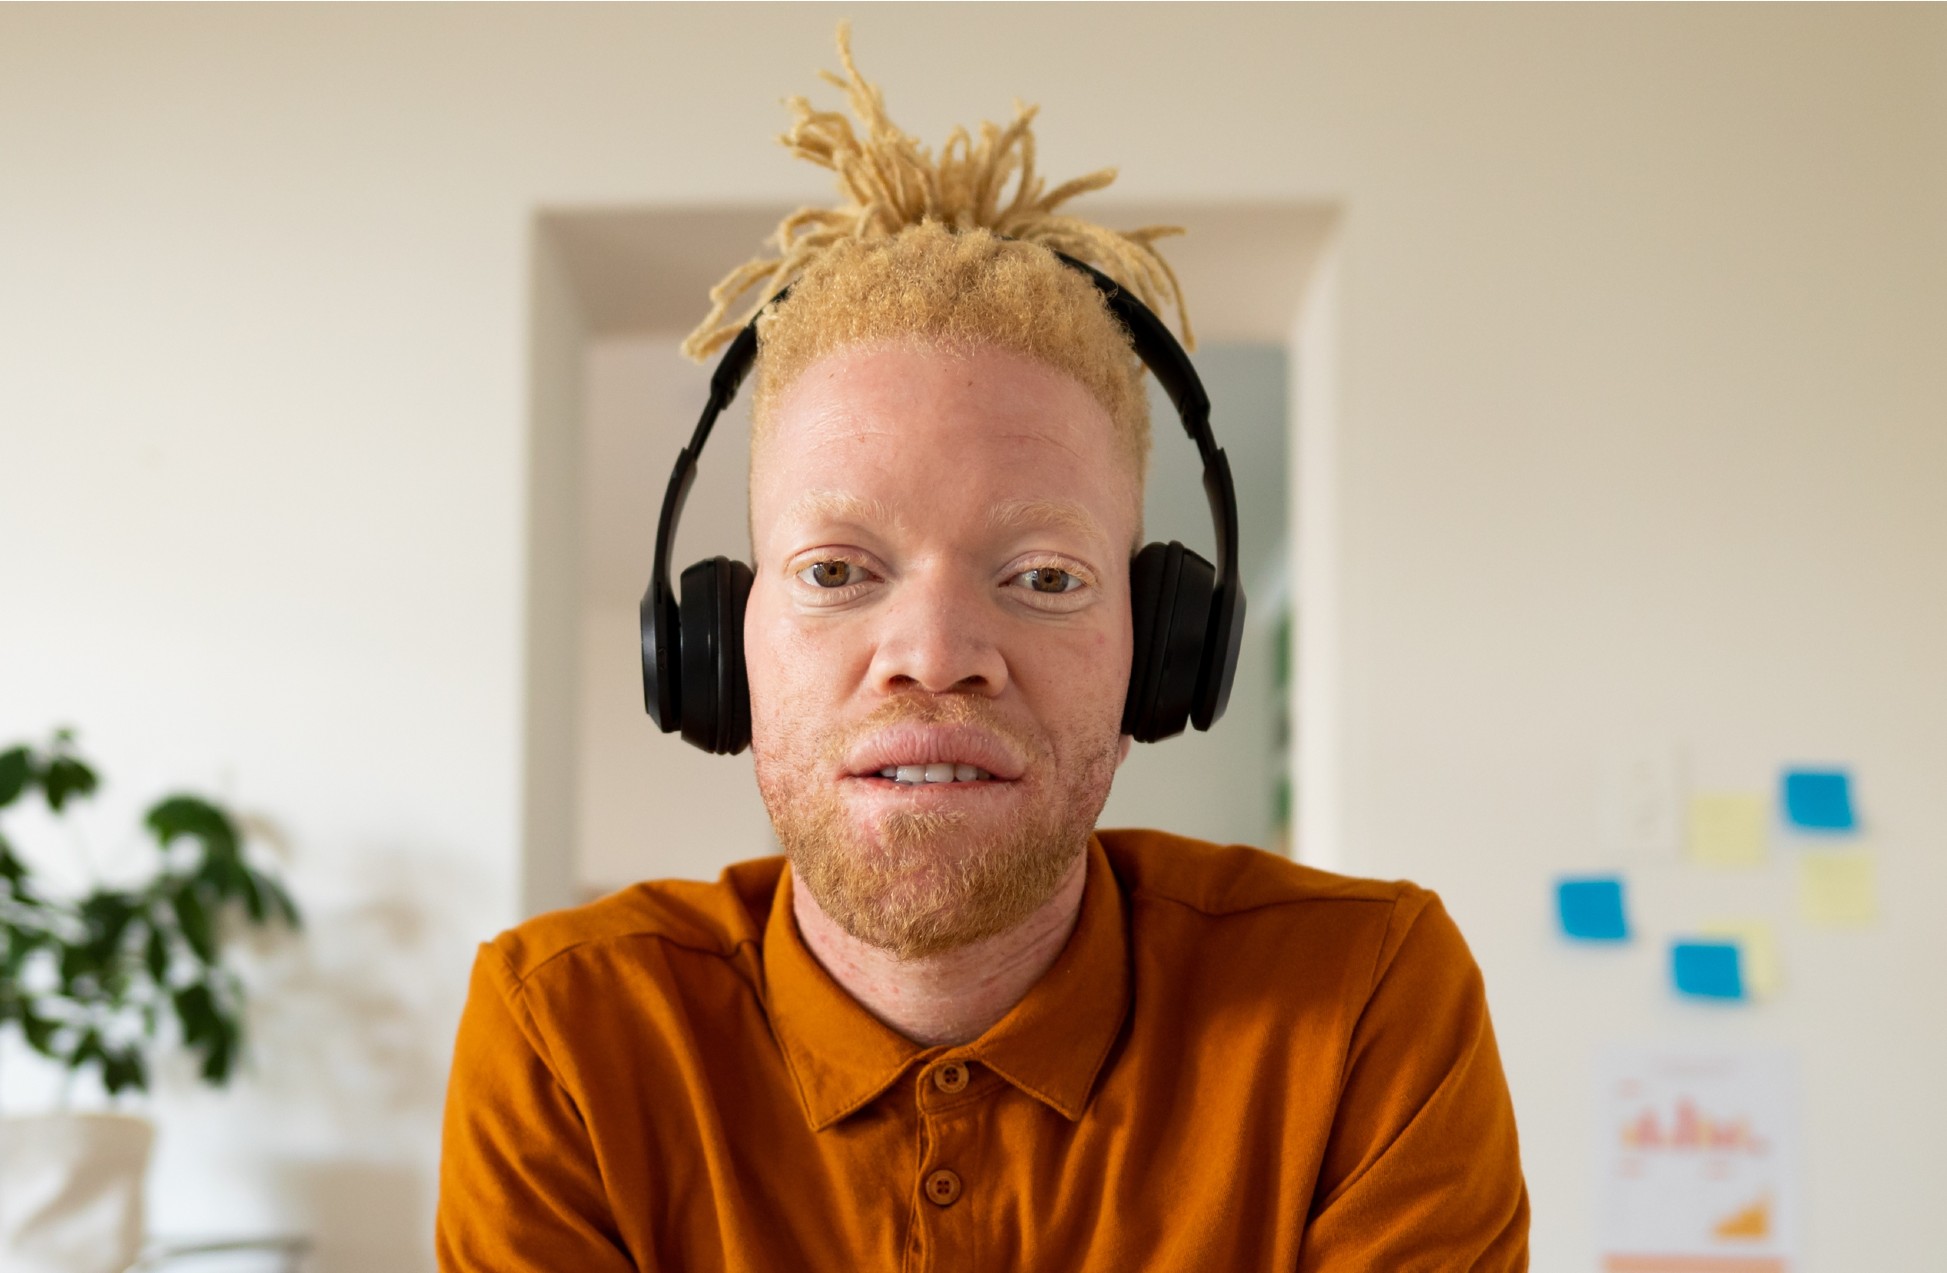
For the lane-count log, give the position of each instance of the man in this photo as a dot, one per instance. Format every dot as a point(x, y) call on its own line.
point(954, 1027)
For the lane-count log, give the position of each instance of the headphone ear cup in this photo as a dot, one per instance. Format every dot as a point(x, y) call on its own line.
point(1170, 591)
point(1146, 594)
point(1220, 649)
point(699, 654)
point(716, 690)
point(733, 678)
point(662, 664)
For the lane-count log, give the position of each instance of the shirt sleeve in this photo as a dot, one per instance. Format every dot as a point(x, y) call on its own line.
point(1422, 1170)
point(519, 1187)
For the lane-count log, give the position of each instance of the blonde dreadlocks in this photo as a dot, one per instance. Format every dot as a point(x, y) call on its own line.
point(936, 249)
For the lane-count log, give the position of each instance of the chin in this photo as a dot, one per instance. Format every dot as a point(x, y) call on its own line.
point(922, 884)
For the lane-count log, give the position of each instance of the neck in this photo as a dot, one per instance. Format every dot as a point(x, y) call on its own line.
point(950, 998)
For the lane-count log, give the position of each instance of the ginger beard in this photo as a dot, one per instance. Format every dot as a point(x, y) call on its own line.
point(917, 883)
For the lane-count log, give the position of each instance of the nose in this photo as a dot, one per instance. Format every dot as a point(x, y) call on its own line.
point(939, 633)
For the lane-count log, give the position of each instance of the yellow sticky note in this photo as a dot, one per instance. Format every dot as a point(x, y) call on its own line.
point(1836, 889)
point(1727, 829)
point(1757, 950)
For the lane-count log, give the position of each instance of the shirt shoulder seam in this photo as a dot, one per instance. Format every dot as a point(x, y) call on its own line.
point(1150, 895)
point(520, 979)
point(515, 996)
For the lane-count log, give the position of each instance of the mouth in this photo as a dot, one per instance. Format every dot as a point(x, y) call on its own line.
point(922, 775)
point(914, 755)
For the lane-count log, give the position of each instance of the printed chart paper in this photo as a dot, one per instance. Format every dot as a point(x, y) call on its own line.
point(1697, 1161)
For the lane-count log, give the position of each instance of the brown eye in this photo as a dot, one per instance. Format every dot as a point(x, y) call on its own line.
point(829, 574)
point(1049, 579)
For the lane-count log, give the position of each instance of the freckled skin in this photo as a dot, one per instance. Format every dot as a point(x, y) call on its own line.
point(946, 617)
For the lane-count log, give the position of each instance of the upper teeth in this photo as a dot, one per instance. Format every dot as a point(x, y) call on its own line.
point(934, 773)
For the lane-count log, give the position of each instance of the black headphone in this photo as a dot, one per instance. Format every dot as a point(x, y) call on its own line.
point(1189, 615)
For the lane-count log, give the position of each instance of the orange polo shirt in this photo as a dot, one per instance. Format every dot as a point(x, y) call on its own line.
point(1235, 1063)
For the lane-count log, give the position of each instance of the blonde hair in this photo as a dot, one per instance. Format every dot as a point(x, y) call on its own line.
point(934, 249)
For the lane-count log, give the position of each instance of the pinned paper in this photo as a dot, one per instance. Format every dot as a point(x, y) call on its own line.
point(1819, 800)
point(1698, 1160)
point(1642, 803)
point(1706, 969)
point(1592, 909)
point(1836, 888)
point(1757, 949)
point(1727, 829)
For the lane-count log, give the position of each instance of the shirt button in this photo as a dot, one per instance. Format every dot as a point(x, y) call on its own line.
point(942, 1188)
point(951, 1077)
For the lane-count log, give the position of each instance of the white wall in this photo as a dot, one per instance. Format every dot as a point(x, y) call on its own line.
point(648, 804)
point(1639, 405)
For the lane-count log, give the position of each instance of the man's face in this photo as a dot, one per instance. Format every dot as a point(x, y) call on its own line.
point(942, 547)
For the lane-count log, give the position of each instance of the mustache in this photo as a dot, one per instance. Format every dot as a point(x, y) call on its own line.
point(951, 709)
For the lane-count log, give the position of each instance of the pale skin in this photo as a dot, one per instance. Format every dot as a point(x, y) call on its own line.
point(929, 525)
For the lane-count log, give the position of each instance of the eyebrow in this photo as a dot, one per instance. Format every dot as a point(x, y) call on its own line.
point(1066, 514)
point(828, 507)
point(842, 506)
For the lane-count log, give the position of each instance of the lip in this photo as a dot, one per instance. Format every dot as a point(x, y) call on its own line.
point(917, 744)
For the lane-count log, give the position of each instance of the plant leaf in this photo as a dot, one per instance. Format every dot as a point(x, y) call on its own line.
point(39, 1031)
point(253, 897)
point(124, 1068)
point(280, 900)
point(16, 770)
point(224, 873)
point(220, 1057)
point(109, 913)
point(207, 1029)
point(195, 923)
point(76, 962)
point(12, 869)
point(21, 942)
point(87, 1048)
point(196, 1009)
point(193, 816)
point(64, 778)
point(155, 956)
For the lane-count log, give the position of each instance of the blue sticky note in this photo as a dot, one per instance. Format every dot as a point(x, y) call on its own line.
point(1707, 969)
point(1819, 800)
point(1592, 909)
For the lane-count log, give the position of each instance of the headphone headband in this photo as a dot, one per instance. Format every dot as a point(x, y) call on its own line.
point(1167, 361)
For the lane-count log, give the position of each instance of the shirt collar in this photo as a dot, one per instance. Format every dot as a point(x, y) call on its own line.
point(1051, 1045)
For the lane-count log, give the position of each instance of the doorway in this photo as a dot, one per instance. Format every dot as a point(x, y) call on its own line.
point(610, 799)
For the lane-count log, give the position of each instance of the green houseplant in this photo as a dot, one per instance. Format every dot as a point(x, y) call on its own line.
point(100, 983)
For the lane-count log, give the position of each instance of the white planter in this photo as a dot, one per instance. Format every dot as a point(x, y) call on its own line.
point(71, 1192)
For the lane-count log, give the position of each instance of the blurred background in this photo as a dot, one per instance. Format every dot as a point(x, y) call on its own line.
point(1583, 367)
